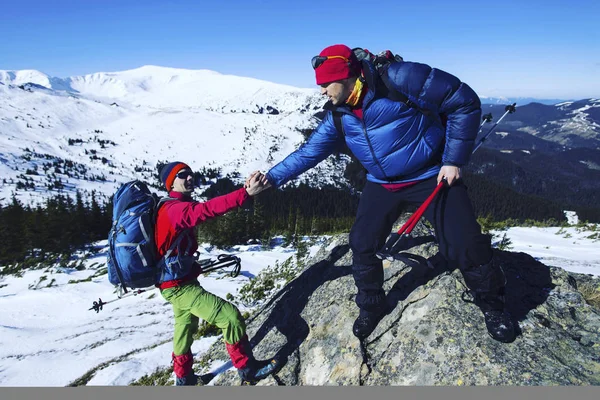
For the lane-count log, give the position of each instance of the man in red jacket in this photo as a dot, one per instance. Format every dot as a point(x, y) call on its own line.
point(179, 285)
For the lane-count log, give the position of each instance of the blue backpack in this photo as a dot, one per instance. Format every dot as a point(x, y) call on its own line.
point(132, 259)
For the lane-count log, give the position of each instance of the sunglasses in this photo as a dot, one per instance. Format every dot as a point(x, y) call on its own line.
point(317, 61)
point(184, 174)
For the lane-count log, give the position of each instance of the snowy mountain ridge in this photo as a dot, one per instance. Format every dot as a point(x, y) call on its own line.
point(96, 131)
point(115, 126)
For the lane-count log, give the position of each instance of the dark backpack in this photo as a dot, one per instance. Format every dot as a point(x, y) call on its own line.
point(132, 258)
point(382, 62)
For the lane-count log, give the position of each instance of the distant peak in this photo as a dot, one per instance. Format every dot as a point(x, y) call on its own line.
point(23, 76)
point(157, 69)
point(22, 73)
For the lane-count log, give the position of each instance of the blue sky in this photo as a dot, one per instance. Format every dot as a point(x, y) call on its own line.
point(544, 49)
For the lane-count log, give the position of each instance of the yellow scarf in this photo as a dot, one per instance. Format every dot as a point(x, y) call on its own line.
point(356, 94)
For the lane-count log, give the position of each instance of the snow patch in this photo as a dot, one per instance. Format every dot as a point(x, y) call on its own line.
point(572, 217)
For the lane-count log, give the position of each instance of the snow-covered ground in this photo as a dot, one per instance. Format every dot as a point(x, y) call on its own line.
point(50, 337)
point(567, 248)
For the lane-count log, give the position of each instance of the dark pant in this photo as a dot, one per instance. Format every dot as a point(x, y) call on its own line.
point(456, 229)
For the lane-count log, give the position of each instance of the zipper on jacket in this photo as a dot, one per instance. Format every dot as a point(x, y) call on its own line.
point(373, 151)
point(364, 128)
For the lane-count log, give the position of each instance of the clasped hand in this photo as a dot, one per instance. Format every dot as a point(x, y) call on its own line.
point(256, 183)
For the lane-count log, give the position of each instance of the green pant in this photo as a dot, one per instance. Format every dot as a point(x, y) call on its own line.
point(191, 302)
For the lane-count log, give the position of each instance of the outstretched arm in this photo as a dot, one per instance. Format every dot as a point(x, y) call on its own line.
point(184, 215)
point(319, 145)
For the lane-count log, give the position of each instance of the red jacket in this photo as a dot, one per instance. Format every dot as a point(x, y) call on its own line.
point(179, 217)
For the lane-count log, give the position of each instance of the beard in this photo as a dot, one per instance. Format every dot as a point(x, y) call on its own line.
point(189, 187)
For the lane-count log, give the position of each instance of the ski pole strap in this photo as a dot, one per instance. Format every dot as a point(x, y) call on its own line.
point(414, 219)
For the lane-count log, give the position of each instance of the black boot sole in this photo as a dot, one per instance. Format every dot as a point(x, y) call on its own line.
point(206, 378)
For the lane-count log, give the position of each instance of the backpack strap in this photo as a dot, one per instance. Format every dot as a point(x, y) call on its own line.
point(113, 259)
point(163, 200)
point(337, 121)
point(389, 91)
point(392, 93)
point(175, 245)
point(395, 95)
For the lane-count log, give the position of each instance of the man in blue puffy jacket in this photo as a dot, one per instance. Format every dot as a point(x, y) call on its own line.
point(406, 153)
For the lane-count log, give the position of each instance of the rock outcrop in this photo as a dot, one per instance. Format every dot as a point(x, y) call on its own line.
point(433, 335)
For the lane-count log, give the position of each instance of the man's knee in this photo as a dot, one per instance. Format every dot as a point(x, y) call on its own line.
point(363, 250)
point(478, 250)
point(364, 239)
point(231, 314)
point(354, 240)
point(468, 251)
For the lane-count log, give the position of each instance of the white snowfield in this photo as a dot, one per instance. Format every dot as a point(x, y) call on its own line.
point(135, 118)
point(114, 124)
point(162, 87)
point(567, 248)
point(50, 337)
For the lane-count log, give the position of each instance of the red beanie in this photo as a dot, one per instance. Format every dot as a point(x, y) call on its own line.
point(169, 171)
point(336, 69)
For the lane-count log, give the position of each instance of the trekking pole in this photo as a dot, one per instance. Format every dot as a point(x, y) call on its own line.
point(223, 261)
point(509, 110)
point(97, 305)
point(394, 242)
point(484, 119)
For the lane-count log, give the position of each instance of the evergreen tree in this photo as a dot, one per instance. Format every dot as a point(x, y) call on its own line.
point(258, 222)
point(39, 229)
point(13, 233)
point(80, 220)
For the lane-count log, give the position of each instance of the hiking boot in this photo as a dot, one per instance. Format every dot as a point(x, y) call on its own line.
point(500, 326)
point(257, 370)
point(487, 284)
point(498, 322)
point(189, 380)
point(366, 323)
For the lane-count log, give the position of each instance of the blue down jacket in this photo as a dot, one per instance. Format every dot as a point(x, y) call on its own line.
point(395, 142)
